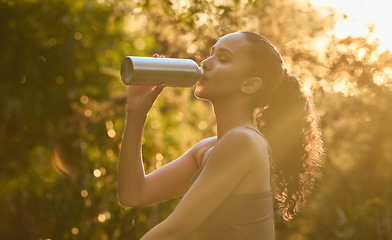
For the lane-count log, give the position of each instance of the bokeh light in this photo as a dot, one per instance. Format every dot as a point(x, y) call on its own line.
point(97, 173)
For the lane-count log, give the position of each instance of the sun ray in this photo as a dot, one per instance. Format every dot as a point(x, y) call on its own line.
point(363, 18)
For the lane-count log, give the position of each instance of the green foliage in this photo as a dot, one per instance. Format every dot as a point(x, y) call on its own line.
point(57, 105)
point(354, 200)
point(62, 113)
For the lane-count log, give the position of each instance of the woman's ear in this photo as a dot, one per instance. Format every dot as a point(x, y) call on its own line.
point(251, 85)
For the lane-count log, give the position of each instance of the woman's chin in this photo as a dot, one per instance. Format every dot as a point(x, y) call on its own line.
point(199, 93)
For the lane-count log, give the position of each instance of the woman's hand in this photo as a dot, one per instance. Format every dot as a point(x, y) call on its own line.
point(141, 98)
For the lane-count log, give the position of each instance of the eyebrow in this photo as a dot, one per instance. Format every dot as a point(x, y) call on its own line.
point(222, 50)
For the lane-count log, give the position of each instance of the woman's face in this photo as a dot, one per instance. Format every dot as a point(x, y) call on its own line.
point(224, 69)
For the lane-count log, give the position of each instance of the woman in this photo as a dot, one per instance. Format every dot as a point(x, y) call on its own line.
point(227, 179)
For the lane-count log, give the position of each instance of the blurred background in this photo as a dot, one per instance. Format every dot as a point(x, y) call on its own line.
point(62, 108)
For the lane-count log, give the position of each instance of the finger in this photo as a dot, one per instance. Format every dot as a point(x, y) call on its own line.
point(159, 89)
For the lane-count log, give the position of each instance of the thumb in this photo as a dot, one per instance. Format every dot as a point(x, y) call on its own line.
point(158, 89)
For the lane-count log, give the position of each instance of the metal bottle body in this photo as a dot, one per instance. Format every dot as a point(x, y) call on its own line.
point(149, 71)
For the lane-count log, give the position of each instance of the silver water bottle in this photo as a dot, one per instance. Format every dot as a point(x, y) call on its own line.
point(150, 71)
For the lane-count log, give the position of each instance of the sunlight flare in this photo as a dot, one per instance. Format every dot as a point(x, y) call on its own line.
point(362, 18)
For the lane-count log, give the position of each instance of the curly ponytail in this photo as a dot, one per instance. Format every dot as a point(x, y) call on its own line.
point(289, 120)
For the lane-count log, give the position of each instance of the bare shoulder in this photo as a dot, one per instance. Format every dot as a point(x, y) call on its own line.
point(206, 141)
point(245, 142)
point(245, 137)
point(200, 148)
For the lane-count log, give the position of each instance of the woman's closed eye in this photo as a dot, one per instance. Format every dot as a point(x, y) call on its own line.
point(221, 57)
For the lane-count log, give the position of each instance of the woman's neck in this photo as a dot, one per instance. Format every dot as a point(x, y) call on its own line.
point(230, 114)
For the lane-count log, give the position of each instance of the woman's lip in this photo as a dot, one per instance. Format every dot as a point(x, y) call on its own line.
point(202, 80)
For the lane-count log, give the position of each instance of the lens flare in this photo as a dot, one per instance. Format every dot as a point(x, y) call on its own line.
point(58, 163)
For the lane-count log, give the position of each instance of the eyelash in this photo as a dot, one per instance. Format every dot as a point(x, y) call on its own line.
point(221, 59)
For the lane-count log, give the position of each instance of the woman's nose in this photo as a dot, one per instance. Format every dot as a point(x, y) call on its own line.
point(205, 64)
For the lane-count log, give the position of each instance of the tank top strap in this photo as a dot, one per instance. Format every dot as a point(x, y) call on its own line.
point(269, 148)
point(265, 139)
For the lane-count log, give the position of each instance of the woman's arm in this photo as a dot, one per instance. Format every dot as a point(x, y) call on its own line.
point(232, 158)
point(169, 181)
point(130, 167)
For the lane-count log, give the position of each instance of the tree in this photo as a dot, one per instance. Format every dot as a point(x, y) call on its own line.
point(55, 61)
point(353, 202)
point(62, 112)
